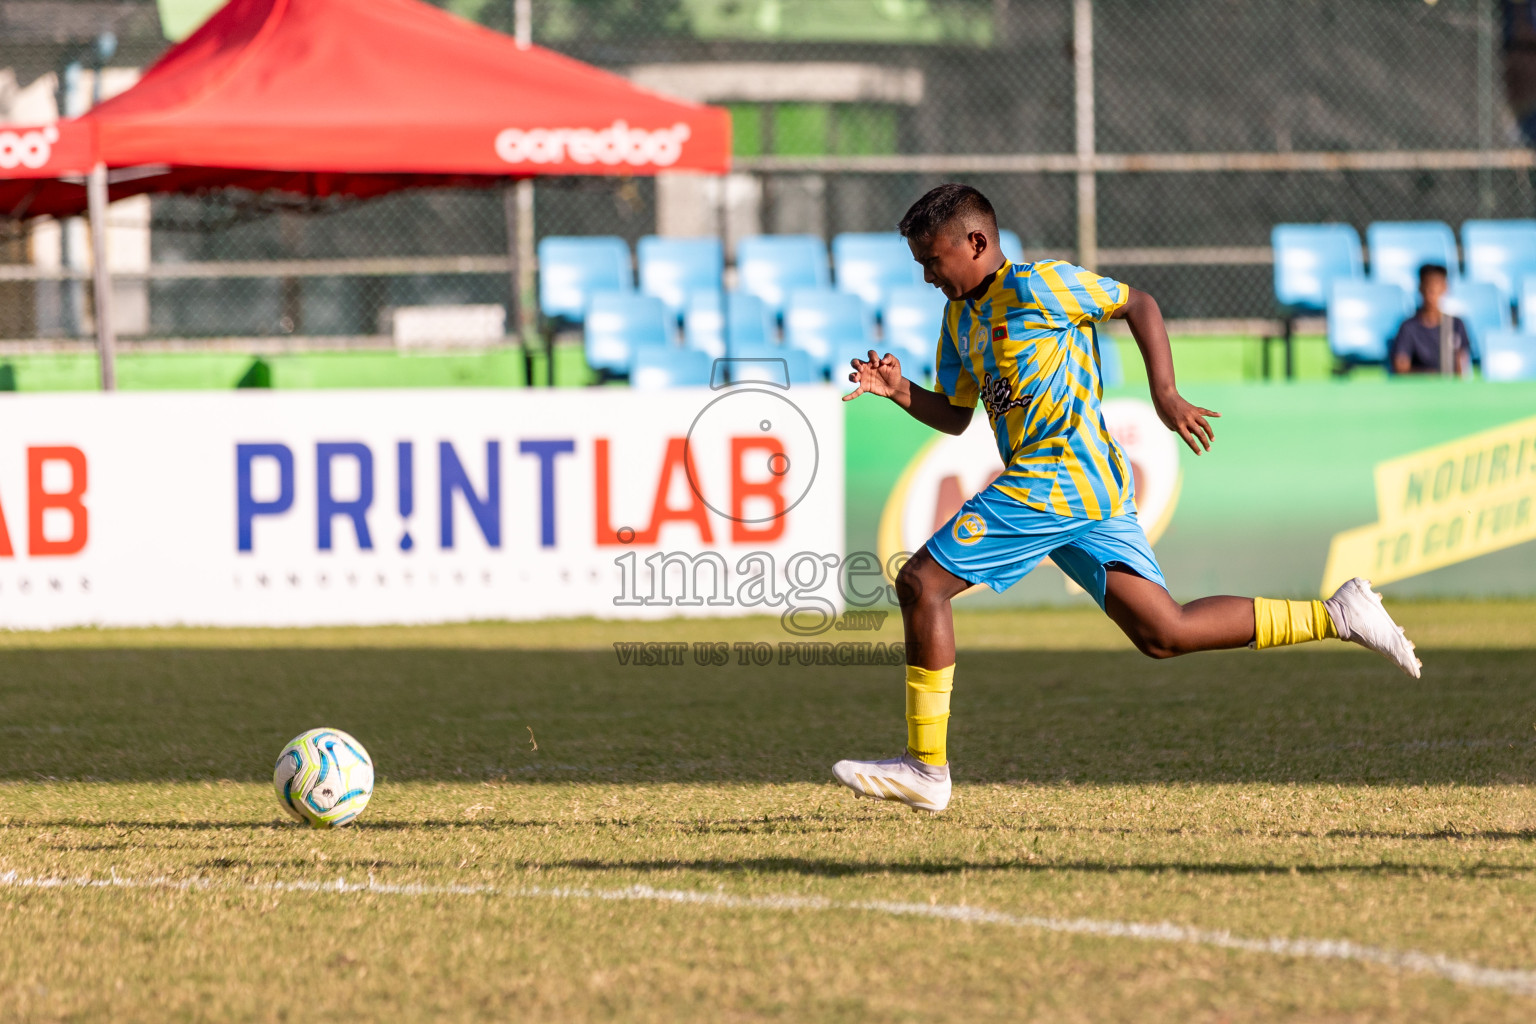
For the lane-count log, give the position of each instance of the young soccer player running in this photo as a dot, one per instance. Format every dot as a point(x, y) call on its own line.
point(1020, 337)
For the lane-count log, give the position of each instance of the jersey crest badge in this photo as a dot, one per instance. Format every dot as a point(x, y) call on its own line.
point(970, 528)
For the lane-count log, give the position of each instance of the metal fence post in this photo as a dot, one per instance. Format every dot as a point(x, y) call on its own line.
point(106, 338)
point(1087, 185)
point(526, 251)
point(1485, 88)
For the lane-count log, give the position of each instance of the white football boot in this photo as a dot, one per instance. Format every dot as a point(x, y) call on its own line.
point(1357, 612)
point(920, 786)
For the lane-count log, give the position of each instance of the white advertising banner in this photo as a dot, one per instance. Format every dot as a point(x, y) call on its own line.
point(314, 508)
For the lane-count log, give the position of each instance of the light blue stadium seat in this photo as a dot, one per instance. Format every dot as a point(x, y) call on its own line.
point(748, 321)
point(1111, 372)
point(770, 266)
point(1363, 318)
point(1400, 248)
point(673, 268)
point(1482, 306)
point(769, 363)
point(1008, 241)
point(1500, 252)
point(829, 326)
point(1309, 258)
point(667, 366)
point(1509, 355)
point(704, 323)
point(868, 263)
point(714, 322)
point(1527, 305)
point(913, 317)
point(573, 269)
point(621, 323)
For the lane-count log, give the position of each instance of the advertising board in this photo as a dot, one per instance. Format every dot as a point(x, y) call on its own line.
point(1425, 486)
point(312, 508)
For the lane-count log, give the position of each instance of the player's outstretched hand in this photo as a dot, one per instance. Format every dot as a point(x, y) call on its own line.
point(1188, 421)
point(879, 375)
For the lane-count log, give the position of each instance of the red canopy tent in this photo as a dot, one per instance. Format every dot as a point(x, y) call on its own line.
point(351, 98)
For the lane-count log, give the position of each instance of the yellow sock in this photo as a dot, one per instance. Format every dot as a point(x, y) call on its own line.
point(1280, 622)
point(928, 712)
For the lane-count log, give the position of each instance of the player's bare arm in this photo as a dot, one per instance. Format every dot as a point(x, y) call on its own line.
point(881, 375)
point(1145, 319)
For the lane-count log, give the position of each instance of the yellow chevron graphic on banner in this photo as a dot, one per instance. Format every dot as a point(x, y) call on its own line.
point(1443, 505)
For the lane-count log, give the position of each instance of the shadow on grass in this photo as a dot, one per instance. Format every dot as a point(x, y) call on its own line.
point(461, 715)
point(768, 824)
point(818, 867)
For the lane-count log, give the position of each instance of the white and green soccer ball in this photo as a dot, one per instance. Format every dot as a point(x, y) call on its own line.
point(324, 778)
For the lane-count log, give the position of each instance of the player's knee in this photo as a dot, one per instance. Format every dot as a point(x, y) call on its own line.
point(1155, 650)
point(913, 586)
point(909, 585)
point(1158, 640)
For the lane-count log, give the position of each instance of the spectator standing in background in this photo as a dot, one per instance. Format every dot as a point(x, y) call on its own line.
point(1431, 338)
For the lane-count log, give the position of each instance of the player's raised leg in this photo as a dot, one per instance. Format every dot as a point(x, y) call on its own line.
point(1161, 627)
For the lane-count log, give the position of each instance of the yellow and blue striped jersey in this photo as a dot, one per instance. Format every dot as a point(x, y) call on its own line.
point(1029, 350)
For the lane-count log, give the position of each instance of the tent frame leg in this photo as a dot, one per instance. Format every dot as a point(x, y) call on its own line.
point(106, 336)
point(515, 279)
point(517, 205)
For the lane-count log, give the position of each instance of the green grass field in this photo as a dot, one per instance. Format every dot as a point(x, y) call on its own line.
point(1294, 835)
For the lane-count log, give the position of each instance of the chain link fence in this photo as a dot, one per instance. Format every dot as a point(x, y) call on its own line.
point(1206, 122)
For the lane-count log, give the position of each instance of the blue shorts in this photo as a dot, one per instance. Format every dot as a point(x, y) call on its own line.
point(997, 540)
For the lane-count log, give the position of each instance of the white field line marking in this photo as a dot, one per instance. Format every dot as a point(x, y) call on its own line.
point(1462, 972)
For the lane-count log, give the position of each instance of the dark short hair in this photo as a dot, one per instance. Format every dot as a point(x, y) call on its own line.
point(942, 204)
point(1429, 270)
